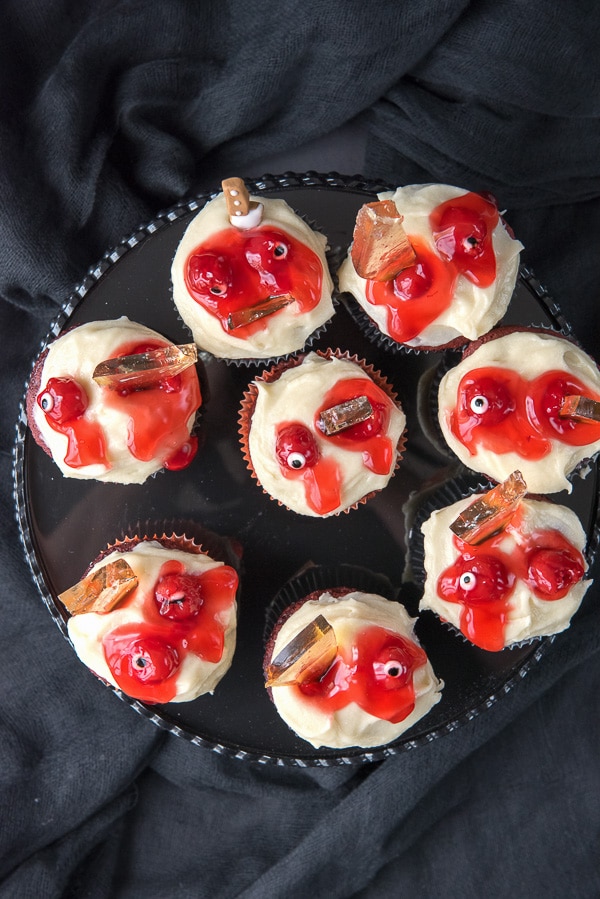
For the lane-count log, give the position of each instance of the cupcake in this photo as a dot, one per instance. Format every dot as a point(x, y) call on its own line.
point(431, 266)
point(115, 401)
point(321, 433)
point(502, 408)
point(156, 618)
point(344, 668)
point(520, 577)
point(252, 284)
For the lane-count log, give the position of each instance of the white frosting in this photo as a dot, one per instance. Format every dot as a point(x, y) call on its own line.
point(531, 354)
point(87, 630)
point(474, 310)
point(527, 616)
point(286, 330)
point(351, 726)
point(296, 396)
point(75, 355)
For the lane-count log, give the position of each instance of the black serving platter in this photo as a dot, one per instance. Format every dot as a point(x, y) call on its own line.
point(65, 523)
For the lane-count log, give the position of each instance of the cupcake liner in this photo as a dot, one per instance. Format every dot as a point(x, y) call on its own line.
point(427, 403)
point(320, 578)
point(273, 374)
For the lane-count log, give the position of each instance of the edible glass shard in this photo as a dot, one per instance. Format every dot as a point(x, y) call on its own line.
point(142, 370)
point(492, 512)
point(250, 314)
point(380, 247)
point(307, 657)
point(580, 408)
point(102, 590)
point(344, 415)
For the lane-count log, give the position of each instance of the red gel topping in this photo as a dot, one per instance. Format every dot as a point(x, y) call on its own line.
point(500, 411)
point(180, 615)
point(300, 459)
point(368, 436)
point(236, 269)
point(462, 233)
point(483, 578)
point(158, 416)
point(64, 402)
point(375, 672)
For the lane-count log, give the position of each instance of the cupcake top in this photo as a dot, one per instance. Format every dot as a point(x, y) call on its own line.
point(295, 460)
point(256, 290)
point(121, 434)
point(172, 637)
point(499, 408)
point(385, 683)
point(524, 582)
point(461, 276)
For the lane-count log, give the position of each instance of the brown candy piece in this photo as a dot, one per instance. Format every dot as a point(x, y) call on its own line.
point(306, 657)
point(249, 314)
point(580, 408)
point(237, 197)
point(344, 415)
point(491, 513)
point(142, 370)
point(380, 247)
point(101, 590)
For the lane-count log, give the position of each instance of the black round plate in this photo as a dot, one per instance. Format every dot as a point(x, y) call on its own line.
point(65, 523)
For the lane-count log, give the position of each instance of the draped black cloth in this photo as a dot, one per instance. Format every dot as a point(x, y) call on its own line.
point(111, 110)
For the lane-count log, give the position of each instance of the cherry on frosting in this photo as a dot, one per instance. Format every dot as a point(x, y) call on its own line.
point(62, 400)
point(147, 659)
point(475, 579)
point(296, 447)
point(179, 596)
point(235, 269)
point(553, 571)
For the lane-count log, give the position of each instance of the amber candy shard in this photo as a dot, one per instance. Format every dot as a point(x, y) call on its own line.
point(580, 408)
point(101, 590)
point(492, 512)
point(307, 657)
point(344, 415)
point(380, 247)
point(142, 370)
point(250, 314)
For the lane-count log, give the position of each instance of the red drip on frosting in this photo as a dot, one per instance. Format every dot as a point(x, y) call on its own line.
point(236, 269)
point(462, 235)
point(375, 671)
point(367, 437)
point(180, 615)
point(500, 411)
point(483, 578)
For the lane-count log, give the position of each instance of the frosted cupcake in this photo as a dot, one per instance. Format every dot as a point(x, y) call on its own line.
point(344, 668)
point(321, 433)
point(522, 580)
point(431, 266)
point(156, 618)
point(503, 407)
point(115, 401)
point(251, 280)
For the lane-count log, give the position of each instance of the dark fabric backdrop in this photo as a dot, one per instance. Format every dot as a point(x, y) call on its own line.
point(111, 110)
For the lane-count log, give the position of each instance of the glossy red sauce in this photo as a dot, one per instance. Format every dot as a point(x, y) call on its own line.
point(483, 578)
point(462, 235)
point(500, 411)
point(375, 672)
point(158, 416)
point(235, 269)
point(145, 657)
point(300, 459)
point(368, 437)
point(64, 402)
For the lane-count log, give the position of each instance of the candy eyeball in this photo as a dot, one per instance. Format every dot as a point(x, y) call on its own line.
point(296, 447)
point(62, 400)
